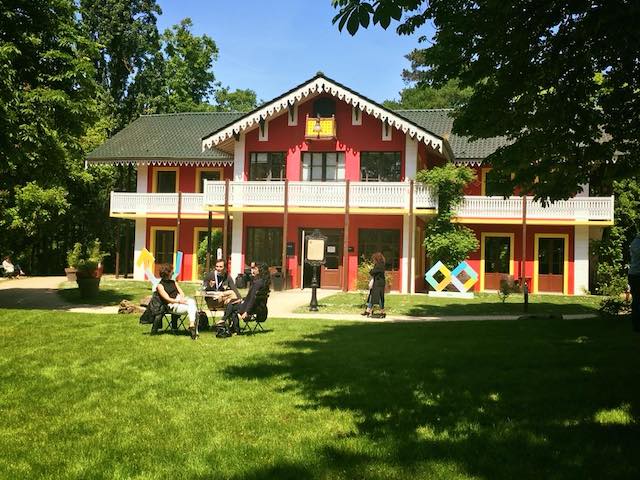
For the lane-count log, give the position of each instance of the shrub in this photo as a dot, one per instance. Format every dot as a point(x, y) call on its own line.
point(507, 286)
point(86, 259)
point(216, 242)
point(363, 277)
point(614, 306)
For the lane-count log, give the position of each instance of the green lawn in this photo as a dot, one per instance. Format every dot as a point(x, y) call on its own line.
point(113, 291)
point(482, 304)
point(94, 396)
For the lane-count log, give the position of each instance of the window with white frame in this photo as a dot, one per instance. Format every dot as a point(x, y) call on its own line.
point(267, 166)
point(323, 166)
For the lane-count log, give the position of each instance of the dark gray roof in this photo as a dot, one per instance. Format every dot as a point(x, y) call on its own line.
point(165, 136)
point(440, 122)
point(176, 136)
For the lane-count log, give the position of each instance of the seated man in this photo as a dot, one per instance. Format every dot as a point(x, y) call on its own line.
point(261, 281)
point(222, 285)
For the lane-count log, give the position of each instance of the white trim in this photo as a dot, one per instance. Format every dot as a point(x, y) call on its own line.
point(263, 131)
point(165, 162)
point(141, 179)
point(406, 237)
point(319, 85)
point(292, 122)
point(581, 260)
point(238, 159)
point(356, 116)
point(236, 244)
point(410, 158)
point(386, 132)
point(139, 244)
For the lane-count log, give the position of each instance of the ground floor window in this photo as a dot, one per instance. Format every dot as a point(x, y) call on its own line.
point(163, 246)
point(264, 245)
point(377, 240)
point(497, 254)
point(551, 256)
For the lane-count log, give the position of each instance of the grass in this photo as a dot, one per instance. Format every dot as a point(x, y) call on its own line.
point(94, 396)
point(481, 304)
point(113, 291)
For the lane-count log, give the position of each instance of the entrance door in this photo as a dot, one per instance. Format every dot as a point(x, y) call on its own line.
point(497, 261)
point(551, 254)
point(163, 248)
point(331, 272)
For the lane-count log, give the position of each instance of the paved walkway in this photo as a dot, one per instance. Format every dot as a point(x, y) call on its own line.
point(41, 293)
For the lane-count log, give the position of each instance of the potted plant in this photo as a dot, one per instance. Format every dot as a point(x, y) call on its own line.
point(72, 259)
point(87, 262)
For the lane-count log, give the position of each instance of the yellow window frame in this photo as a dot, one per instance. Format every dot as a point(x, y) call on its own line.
point(199, 172)
point(565, 268)
point(152, 242)
point(154, 186)
point(483, 237)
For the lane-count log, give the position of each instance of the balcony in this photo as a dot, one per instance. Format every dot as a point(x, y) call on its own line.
point(578, 209)
point(364, 197)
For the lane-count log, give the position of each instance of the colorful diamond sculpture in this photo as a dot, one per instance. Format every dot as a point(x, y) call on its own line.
point(466, 268)
point(438, 267)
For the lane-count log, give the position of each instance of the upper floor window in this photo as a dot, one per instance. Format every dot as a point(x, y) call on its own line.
point(380, 166)
point(494, 184)
point(324, 107)
point(165, 180)
point(208, 174)
point(267, 166)
point(322, 166)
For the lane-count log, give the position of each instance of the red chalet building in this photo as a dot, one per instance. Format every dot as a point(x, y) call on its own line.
point(322, 156)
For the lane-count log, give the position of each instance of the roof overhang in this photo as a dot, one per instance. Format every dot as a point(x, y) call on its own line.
point(217, 162)
point(223, 138)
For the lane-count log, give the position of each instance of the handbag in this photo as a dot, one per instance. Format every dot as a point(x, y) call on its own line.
point(370, 284)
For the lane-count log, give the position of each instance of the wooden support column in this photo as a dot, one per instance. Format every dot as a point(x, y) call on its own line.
point(523, 261)
point(285, 225)
point(410, 279)
point(345, 242)
point(207, 267)
point(225, 225)
point(118, 223)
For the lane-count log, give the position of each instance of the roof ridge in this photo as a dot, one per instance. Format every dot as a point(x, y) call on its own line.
point(447, 109)
point(176, 114)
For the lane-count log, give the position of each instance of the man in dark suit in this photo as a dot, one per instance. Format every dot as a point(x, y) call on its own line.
point(220, 283)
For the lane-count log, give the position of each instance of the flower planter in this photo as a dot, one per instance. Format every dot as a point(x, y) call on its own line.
point(89, 287)
point(71, 274)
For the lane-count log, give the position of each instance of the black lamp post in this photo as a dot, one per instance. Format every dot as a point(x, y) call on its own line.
point(315, 253)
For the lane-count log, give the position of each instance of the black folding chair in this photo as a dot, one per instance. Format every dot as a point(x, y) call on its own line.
point(258, 314)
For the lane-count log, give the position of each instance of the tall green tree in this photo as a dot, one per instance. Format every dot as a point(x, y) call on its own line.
point(416, 97)
point(47, 102)
point(559, 78)
point(239, 100)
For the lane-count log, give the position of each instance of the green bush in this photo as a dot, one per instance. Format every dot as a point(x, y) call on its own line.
point(363, 277)
point(216, 242)
point(614, 306)
point(507, 286)
point(86, 259)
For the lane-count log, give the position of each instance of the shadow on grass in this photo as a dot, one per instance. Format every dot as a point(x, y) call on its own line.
point(105, 296)
point(527, 399)
point(493, 308)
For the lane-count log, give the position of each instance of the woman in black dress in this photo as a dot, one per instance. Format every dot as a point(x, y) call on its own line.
point(376, 293)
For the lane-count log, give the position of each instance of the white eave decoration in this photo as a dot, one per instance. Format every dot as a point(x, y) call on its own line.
point(164, 162)
point(317, 86)
point(474, 162)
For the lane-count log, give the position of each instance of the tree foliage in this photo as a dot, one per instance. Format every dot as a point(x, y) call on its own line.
point(448, 242)
point(239, 100)
point(448, 96)
point(559, 78)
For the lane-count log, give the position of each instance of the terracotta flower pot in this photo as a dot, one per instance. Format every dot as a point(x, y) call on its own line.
point(71, 274)
point(89, 286)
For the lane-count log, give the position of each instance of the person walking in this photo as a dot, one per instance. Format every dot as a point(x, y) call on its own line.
point(634, 282)
point(378, 284)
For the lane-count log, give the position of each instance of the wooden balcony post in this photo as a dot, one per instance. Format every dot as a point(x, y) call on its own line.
point(207, 266)
point(285, 224)
point(523, 264)
point(411, 240)
point(345, 242)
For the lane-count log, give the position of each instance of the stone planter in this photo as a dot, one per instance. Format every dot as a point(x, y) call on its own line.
point(71, 274)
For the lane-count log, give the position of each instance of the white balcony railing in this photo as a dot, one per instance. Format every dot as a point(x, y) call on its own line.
point(578, 208)
point(361, 194)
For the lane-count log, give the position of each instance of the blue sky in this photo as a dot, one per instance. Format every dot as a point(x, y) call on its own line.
point(271, 46)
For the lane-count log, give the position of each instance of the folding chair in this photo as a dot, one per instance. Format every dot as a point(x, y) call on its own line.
point(258, 314)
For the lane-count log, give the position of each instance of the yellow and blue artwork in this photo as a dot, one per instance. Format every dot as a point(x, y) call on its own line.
point(451, 277)
point(147, 259)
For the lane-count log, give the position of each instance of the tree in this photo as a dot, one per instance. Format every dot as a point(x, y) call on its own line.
point(236, 101)
point(188, 75)
point(450, 95)
point(47, 101)
point(559, 78)
point(448, 242)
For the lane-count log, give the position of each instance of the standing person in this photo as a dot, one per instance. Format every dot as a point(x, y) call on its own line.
point(634, 282)
point(260, 284)
point(376, 294)
point(11, 270)
point(173, 296)
point(221, 282)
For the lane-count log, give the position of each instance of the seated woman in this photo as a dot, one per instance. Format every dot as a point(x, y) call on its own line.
point(175, 299)
point(261, 282)
point(11, 270)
